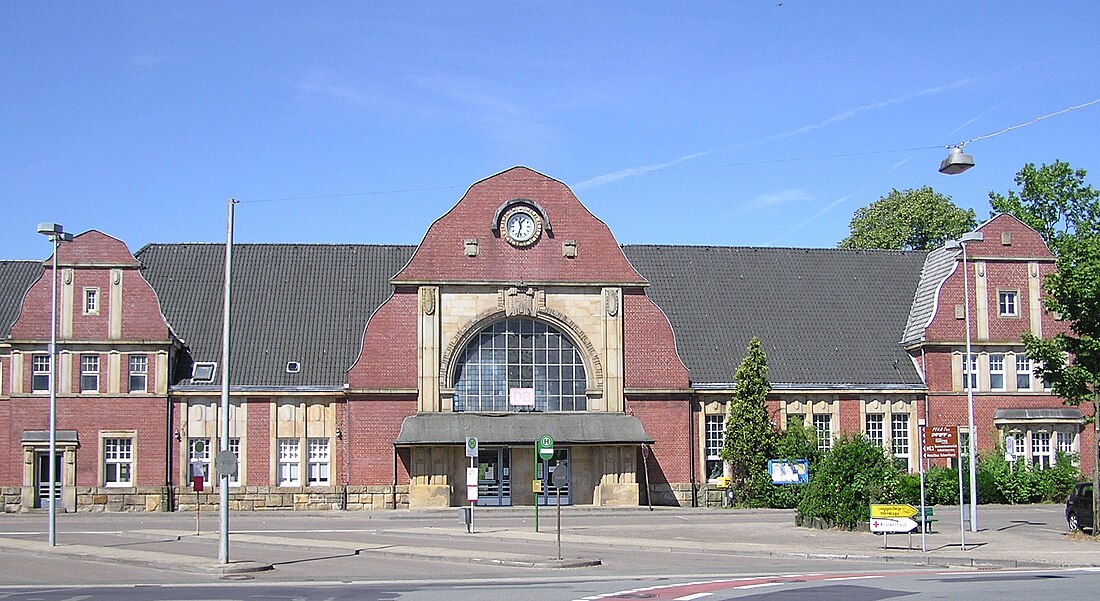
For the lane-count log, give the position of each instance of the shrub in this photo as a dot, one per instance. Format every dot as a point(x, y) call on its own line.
point(848, 479)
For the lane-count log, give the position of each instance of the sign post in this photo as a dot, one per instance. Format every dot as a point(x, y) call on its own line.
point(197, 485)
point(544, 449)
point(471, 479)
point(561, 480)
point(942, 442)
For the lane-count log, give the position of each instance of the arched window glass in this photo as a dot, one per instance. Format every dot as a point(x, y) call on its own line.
point(520, 354)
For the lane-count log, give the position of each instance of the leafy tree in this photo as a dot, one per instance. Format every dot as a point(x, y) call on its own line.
point(750, 436)
point(920, 219)
point(1054, 200)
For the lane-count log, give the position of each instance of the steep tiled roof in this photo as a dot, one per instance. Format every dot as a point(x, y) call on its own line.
point(826, 317)
point(939, 264)
point(292, 302)
point(15, 278)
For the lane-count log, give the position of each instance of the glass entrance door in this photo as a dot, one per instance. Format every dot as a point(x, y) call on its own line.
point(42, 479)
point(549, 495)
point(494, 477)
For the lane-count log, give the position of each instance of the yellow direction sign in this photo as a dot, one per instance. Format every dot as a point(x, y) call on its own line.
point(893, 511)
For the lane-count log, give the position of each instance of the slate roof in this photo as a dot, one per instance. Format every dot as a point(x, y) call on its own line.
point(16, 278)
point(292, 302)
point(827, 317)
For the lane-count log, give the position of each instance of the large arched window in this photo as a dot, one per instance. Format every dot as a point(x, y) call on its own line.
point(520, 354)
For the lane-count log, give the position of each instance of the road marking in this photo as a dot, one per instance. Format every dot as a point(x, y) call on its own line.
point(851, 578)
point(692, 597)
point(761, 585)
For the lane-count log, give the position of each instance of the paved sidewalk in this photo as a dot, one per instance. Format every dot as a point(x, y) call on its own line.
point(1018, 536)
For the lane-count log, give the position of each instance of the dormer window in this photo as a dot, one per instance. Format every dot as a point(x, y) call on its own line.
point(1007, 305)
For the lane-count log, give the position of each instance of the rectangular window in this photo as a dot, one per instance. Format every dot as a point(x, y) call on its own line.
point(1065, 442)
point(318, 462)
point(714, 437)
point(40, 373)
point(118, 462)
point(290, 457)
point(1040, 449)
point(235, 447)
point(996, 371)
point(139, 378)
point(874, 429)
point(899, 434)
point(823, 424)
point(1023, 372)
point(91, 301)
point(198, 451)
point(1006, 303)
point(89, 373)
point(970, 372)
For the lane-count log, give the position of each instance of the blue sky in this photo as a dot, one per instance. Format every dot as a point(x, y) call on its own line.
point(737, 123)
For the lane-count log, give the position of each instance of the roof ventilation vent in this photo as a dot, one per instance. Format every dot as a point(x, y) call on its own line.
point(293, 367)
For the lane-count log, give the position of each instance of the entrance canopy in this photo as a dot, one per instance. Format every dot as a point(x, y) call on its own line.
point(521, 428)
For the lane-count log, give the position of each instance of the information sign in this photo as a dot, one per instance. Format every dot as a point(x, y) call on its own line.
point(941, 442)
point(471, 446)
point(893, 511)
point(892, 525)
point(545, 445)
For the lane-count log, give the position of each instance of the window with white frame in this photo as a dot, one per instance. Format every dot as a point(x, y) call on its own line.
point(1040, 449)
point(139, 373)
point(290, 458)
point(873, 426)
point(970, 372)
point(118, 462)
point(1006, 303)
point(1066, 441)
point(317, 462)
point(714, 436)
point(89, 373)
point(91, 301)
point(1023, 372)
point(996, 371)
point(823, 425)
point(198, 452)
point(40, 373)
point(235, 447)
point(899, 434)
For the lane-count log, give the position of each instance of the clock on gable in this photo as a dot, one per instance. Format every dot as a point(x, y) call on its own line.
point(521, 226)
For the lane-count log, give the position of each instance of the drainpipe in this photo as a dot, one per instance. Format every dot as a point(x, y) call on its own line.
point(393, 485)
point(347, 449)
point(691, 449)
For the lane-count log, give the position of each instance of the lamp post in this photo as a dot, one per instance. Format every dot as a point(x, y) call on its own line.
point(956, 162)
point(56, 235)
point(968, 378)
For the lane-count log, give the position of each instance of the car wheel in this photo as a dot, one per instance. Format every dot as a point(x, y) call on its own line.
point(1074, 524)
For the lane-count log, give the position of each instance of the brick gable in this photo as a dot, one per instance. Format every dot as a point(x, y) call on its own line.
point(441, 256)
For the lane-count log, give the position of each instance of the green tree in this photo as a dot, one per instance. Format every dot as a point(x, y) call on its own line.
point(1053, 200)
point(920, 219)
point(750, 436)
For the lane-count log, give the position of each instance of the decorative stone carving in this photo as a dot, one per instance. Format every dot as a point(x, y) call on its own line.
point(611, 301)
point(427, 300)
point(514, 301)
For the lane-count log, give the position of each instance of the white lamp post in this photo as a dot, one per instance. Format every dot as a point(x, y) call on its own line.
point(56, 234)
point(968, 378)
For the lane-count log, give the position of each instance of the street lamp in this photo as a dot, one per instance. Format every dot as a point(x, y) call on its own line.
point(968, 376)
point(956, 162)
point(56, 235)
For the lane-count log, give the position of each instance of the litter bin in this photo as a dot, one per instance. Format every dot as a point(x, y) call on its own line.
point(727, 497)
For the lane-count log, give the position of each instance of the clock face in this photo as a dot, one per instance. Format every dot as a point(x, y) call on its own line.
point(521, 227)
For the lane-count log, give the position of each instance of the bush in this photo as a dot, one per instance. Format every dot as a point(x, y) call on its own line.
point(1000, 481)
point(848, 479)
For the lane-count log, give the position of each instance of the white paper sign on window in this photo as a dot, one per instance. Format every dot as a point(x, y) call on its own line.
point(521, 397)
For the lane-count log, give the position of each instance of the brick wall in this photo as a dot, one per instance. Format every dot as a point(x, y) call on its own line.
point(668, 421)
point(375, 424)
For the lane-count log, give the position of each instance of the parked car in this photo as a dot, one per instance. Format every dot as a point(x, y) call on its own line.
point(1079, 507)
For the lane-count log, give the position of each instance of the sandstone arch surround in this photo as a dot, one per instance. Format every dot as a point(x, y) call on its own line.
point(522, 302)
